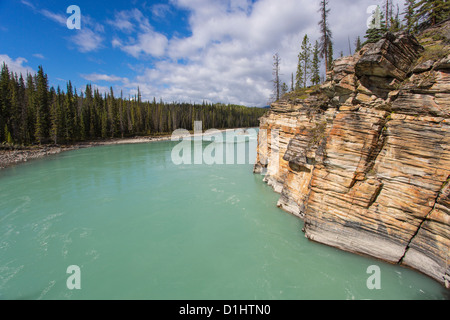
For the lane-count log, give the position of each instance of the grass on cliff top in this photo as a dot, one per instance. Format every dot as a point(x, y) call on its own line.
point(436, 42)
point(300, 94)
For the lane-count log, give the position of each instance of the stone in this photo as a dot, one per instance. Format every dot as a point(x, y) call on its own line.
point(366, 161)
point(425, 66)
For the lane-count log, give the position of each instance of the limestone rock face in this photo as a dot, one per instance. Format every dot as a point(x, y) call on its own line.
point(365, 160)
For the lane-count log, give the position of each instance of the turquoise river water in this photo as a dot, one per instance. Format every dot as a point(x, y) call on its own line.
point(139, 226)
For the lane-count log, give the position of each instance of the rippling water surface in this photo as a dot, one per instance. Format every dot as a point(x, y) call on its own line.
point(140, 227)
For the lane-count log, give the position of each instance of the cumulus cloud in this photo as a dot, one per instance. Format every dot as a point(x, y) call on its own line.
point(228, 56)
point(103, 77)
point(89, 38)
point(227, 53)
point(148, 42)
point(17, 65)
point(86, 40)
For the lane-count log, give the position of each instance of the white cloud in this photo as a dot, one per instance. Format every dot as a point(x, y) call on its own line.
point(89, 38)
point(160, 10)
point(228, 57)
point(86, 40)
point(103, 77)
point(17, 66)
point(27, 3)
point(148, 42)
point(59, 18)
point(39, 56)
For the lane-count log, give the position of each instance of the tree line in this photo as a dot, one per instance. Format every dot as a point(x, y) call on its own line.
point(309, 58)
point(386, 18)
point(417, 16)
point(32, 112)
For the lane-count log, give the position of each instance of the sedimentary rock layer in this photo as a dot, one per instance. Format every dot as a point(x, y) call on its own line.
point(365, 160)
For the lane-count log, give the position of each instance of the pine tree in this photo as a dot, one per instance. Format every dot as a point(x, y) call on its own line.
point(4, 101)
point(69, 114)
point(284, 89)
point(409, 15)
point(304, 60)
point(8, 137)
point(299, 76)
point(276, 77)
point(388, 12)
point(315, 68)
point(330, 56)
point(23, 109)
point(56, 117)
point(15, 113)
point(292, 81)
point(396, 24)
point(432, 11)
point(326, 35)
point(358, 44)
point(42, 107)
point(378, 29)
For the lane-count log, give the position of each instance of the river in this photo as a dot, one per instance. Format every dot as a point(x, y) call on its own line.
point(136, 225)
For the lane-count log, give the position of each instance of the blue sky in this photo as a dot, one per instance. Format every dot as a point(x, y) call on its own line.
point(177, 50)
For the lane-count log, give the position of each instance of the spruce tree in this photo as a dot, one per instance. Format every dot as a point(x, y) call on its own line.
point(304, 60)
point(378, 29)
point(432, 11)
point(69, 114)
point(284, 89)
point(8, 137)
point(409, 15)
point(326, 35)
point(292, 81)
point(23, 109)
point(358, 44)
point(4, 101)
point(330, 56)
point(276, 77)
point(42, 107)
point(299, 76)
point(315, 65)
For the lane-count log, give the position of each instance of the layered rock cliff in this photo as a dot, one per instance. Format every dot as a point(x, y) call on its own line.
point(365, 158)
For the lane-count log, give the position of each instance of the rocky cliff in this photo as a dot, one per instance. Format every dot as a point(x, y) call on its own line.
point(364, 159)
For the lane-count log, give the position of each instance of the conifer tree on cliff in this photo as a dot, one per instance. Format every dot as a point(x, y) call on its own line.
point(276, 75)
point(434, 11)
point(377, 28)
point(304, 61)
point(409, 15)
point(325, 31)
point(315, 68)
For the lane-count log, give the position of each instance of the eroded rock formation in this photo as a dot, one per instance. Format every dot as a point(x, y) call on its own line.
point(365, 158)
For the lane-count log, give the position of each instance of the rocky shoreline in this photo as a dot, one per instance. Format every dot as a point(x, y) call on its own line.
point(16, 155)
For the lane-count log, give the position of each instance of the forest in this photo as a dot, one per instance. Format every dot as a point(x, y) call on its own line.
point(33, 113)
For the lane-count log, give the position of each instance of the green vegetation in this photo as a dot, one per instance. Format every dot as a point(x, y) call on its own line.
point(304, 64)
point(430, 12)
point(434, 52)
point(300, 93)
point(325, 43)
point(31, 112)
point(317, 133)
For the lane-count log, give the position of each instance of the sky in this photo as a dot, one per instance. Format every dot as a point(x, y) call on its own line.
point(175, 50)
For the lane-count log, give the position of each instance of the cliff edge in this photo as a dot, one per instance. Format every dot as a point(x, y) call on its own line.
point(364, 159)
